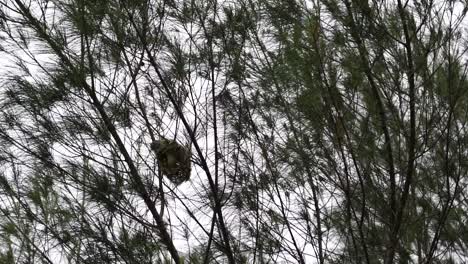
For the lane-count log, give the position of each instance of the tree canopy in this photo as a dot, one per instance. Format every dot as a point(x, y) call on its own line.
point(318, 131)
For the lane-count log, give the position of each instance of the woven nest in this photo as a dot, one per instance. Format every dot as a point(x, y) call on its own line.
point(174, 160)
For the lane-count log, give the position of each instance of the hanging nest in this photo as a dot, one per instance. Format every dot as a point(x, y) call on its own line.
point(173, 159)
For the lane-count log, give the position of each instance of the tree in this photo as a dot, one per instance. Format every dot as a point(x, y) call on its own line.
point(320, 132)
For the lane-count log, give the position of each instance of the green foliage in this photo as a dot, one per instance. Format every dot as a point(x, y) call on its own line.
point(330, 133)
point(9, 229)
point(7, 257)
